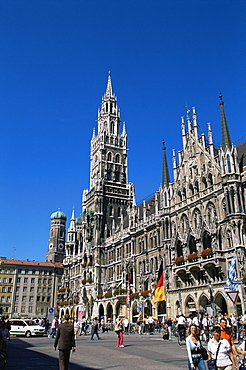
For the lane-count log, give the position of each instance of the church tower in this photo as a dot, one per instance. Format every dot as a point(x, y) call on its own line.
point(56, 244)
point(230, 171)
point(110, 194)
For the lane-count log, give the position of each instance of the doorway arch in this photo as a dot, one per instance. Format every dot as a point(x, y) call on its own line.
point(220, 302)
point(203, 303)
point(109, 311)
point(101, 311)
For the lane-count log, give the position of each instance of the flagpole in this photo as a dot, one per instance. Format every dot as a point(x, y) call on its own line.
point(165, 279)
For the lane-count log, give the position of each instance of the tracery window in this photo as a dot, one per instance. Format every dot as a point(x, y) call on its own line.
point(197, 218)
point(228, 160)
point(179, 249)
point(211, 214)
point(184, 224)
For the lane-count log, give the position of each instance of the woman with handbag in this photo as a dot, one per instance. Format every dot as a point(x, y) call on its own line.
point(119, 332)
point(220, 355)
point(194, 347)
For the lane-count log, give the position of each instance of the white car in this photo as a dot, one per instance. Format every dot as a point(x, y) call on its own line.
point(25, 327)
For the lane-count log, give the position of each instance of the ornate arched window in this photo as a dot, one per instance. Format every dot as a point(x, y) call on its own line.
point(191, 189)
point(110, 211)
point(210, 179)
point(197, 219)
point(228, 161)
point(117, 176)
point(206, 240)
point(117, 158)
point(109, 159)
point(109, 175)
point(184, 224)
point(204, 183)
point(196, 187)
point(179, 249)
point(112, 127)
point(192, 245)
point(211, 214)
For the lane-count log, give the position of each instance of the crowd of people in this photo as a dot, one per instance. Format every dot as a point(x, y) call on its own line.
point(218, 332)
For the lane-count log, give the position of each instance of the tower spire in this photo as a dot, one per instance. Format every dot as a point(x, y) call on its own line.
point(109, 89)
point(165, 172)
point(72, 221)
point(226, 139)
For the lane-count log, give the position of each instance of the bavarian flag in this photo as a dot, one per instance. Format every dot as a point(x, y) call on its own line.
point(159, 294)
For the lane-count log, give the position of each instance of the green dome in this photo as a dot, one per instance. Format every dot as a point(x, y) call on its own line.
point(58, 215)
point(79, 220)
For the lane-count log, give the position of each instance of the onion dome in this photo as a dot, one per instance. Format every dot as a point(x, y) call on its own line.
point(58, 215)
point(79, 220)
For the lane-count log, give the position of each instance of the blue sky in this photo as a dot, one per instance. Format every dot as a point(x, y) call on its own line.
point(55, 56)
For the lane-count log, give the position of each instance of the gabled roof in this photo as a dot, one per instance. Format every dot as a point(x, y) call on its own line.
point(4, 261)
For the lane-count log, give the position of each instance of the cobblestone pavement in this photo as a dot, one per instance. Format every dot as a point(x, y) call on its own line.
point(140, 352)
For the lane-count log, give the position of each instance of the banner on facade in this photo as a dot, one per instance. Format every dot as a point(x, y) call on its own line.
point(128, 290)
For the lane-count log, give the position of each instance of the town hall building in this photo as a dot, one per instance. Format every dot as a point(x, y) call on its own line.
point(195, 225)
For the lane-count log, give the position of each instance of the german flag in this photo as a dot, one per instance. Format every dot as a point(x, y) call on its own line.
point(159, 294)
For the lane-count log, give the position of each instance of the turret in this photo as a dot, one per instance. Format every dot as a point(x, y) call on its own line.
point(195, 125)
point(72, 227)
point(226, 139)
point(165, 172)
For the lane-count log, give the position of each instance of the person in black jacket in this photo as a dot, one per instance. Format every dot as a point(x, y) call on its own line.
point(66, 341)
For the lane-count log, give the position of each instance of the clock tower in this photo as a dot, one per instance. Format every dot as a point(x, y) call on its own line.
point(110, 194)
point(56, 244)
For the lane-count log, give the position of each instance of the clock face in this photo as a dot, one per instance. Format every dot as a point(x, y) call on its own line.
point(51, 246)
point(60, 246)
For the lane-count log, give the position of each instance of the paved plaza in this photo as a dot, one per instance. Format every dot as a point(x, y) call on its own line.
point(140, 352)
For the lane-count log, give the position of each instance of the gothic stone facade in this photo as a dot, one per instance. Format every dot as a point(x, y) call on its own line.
point(195, 224)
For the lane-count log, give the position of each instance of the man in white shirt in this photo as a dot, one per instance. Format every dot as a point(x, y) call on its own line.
point(196, 321)
point(181, 326)
point(206, 322)
point(126, 324)
point(224, 356)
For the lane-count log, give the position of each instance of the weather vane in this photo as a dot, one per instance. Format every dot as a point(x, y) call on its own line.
point(187, 112)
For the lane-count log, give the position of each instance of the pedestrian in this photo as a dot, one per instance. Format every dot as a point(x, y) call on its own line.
point(220, 349)
point(94, 329)
point(83, 325)
point(54, 326)
point(76, 328)
point(225, 333)
point(193, 345)
point(4, 335)
point(46, 325)
point(119, 331)
point(170, 325)
point(206, 322)
point(66, 341)
point(126, 325)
